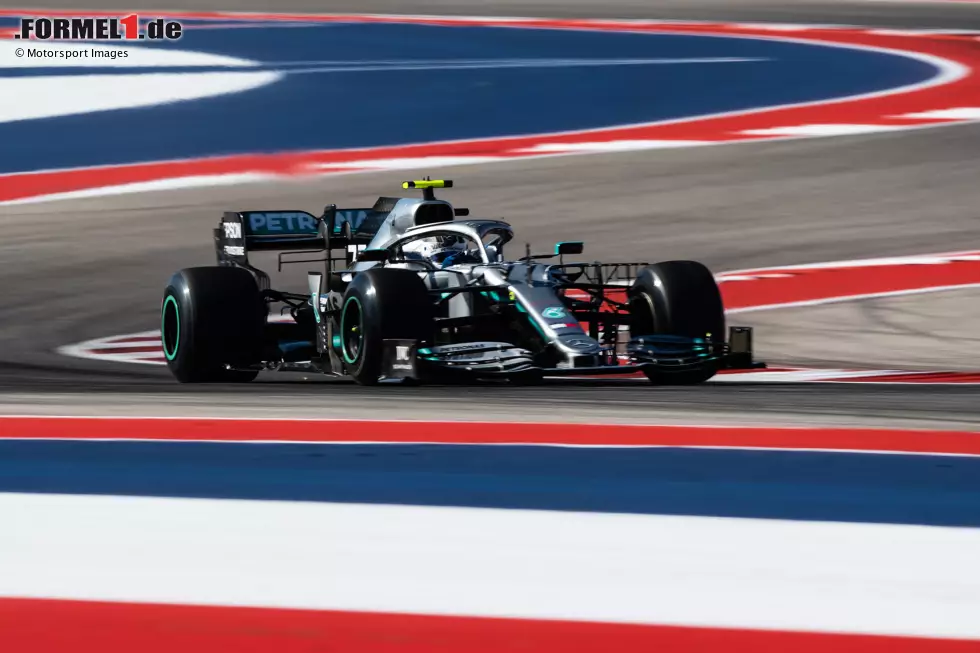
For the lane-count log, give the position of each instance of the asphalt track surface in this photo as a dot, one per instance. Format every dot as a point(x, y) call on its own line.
point(83, 269)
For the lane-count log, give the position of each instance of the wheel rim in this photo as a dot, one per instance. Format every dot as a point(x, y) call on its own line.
point(170, 327)
point(351, 330)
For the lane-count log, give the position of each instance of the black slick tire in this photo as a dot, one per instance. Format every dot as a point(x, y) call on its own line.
point(212, 317)
point(381, 304)
point(678, 298)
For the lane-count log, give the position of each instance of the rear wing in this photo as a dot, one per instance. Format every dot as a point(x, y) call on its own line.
point(239, 233)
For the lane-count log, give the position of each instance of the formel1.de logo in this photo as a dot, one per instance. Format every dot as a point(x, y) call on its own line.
point(99, 29)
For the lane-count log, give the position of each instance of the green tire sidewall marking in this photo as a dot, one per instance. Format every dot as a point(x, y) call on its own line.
point(343, 331)
point(163, 322)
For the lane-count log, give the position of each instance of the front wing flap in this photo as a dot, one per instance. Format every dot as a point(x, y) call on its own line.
point(405, 359)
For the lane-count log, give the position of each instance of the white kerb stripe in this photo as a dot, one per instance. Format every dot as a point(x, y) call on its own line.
point(899, 580)
point(821, 130)
point(941, 258)
point(959, 113)
point(610, 146)
point(148, 343)
point(924, 32)
point(402, 163)
point(173, 183)
point(775, 27)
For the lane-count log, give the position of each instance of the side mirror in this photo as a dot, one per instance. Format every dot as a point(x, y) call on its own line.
point(373, 255)
point(569, 247)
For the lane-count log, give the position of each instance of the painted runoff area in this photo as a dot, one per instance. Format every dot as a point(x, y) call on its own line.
point(305, 533)
point(389, 84)
point(777, 575)
point(300, 533)
point(243, 97)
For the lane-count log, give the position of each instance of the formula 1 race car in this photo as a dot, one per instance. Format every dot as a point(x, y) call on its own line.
point(415, 289)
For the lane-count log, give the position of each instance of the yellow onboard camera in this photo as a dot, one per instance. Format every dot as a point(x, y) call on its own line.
point(423, 184)
point(426, 186)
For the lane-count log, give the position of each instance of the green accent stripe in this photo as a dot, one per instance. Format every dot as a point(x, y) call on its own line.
point(343, 331)
point(531, 319)
point(163, 322)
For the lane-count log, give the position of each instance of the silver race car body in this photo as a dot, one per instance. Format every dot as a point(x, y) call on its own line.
point(422, 291)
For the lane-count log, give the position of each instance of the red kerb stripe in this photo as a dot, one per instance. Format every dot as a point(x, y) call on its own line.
point(59, 626)
point(244, 430)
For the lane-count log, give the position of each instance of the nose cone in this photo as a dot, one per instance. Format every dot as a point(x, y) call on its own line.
point(580, 344)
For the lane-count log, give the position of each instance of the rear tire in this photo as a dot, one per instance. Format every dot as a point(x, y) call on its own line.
point(678, 298)
point(212, 317)
point(381, 304)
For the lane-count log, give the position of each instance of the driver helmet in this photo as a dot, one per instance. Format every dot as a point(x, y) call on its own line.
point(437, 249)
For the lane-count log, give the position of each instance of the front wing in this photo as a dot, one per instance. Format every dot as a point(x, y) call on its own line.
point(404, 359)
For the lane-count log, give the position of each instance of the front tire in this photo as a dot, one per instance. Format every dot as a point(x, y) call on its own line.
point(381, 304)
point(212, 317)
point(677, 298)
